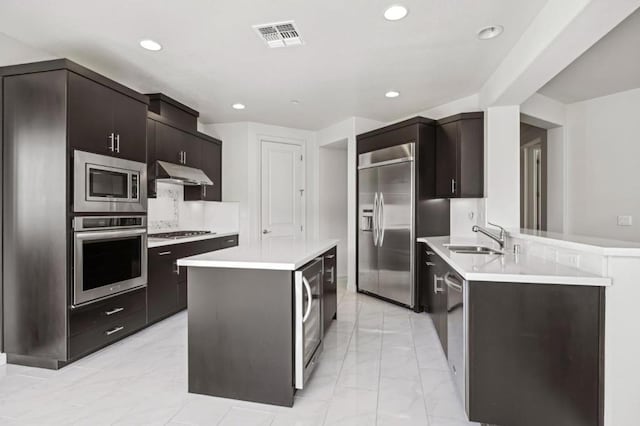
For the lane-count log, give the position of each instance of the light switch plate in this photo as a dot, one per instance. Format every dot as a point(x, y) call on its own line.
point(625, 220)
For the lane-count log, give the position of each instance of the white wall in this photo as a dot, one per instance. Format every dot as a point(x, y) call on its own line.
point(603, 176)
point(14, 52)
point(241, 170)
point(556, 181)
point(348, 130)
point(502, 165)
point(333, 197)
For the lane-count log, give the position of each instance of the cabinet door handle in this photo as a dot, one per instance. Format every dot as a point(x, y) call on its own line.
point(111, 142)
point(118, 143)
point(331, 256)
point(185, 157)
point(453, 186)
point(429, 263)
point(436, 280)
point(204, 190)
point(164, 253)
point(176, 268)
point(113, 311)
point(114, 330)
point(430, 253)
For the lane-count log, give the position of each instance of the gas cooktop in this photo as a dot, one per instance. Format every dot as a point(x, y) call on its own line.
point(174, 235)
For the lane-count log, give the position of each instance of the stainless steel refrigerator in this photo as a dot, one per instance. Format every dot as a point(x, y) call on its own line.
point(386, 205)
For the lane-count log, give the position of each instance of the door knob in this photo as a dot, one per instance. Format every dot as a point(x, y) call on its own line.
point(266, 231)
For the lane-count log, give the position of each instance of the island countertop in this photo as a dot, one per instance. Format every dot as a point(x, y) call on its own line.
point(273, 254)
point(508, 268)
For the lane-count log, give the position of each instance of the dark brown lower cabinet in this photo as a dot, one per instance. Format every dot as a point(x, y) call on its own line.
point(101, 323)
point(167, 283)
point(534, 352)
point(330, 287)
point(162, 285)
point(433, 292)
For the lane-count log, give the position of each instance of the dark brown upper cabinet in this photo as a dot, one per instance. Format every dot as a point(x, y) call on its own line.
point(211, 164)
point(105, 121)
point(189, 148)
point(177, 146)
point(460, 156)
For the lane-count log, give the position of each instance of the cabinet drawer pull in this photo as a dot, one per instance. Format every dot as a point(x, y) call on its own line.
point(231, 240)
point(429, 252)
point(164, 253)
point(114, 311)
point(114, 330)
point(429, 263)
point(331, 256)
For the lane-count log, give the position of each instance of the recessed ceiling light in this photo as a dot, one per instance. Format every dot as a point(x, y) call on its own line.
point(151, 45)
point(395, 13)
point(238, 106)
point(490, 32)
point(392, 94)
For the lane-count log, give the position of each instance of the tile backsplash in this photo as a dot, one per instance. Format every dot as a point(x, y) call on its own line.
point(169, 211)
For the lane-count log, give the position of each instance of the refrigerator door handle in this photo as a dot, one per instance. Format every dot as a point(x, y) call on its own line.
point(375, 219)
point(381, 219)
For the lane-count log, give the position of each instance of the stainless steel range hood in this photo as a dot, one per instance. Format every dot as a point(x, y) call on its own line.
point(175, 173)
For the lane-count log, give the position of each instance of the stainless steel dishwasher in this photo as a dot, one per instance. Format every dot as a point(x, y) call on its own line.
point(457, 331)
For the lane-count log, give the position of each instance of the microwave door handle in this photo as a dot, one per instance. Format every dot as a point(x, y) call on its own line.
point(309, 299)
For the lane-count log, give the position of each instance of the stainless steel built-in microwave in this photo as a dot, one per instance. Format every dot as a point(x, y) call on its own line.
point(108, 184)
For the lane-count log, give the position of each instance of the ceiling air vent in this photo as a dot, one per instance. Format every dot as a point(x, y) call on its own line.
point(279, 34)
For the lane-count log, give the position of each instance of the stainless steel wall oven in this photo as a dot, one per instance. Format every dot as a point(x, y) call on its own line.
point(110, 256)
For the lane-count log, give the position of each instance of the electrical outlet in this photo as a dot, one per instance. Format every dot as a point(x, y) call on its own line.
point(625, 220)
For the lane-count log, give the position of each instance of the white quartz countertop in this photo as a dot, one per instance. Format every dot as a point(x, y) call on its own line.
point(274, 254)
point(159, 242)
point(509, 268)
point(602, 246)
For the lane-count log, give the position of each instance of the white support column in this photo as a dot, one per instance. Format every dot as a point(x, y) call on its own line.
point(503, 165)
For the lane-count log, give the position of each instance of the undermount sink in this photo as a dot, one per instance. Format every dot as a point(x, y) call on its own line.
point(472, 249)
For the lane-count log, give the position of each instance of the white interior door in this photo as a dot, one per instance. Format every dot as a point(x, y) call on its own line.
point(283, 190)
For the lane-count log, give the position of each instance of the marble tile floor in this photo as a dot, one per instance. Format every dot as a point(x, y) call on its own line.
point(381, 365)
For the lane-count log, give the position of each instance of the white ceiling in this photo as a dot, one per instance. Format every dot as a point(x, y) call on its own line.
point(611, 65)
point(212, 58)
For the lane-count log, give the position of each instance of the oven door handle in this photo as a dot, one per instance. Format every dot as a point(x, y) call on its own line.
point(309, 299)
point(97, 235)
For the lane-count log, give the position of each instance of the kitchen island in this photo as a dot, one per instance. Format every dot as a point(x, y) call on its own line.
point(256, 317)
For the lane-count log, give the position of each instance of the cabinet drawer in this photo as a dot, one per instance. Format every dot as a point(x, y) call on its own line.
point(226, 242)
point(106, 311)
point(104, 334)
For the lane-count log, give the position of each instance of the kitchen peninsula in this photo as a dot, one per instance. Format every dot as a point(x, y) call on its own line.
point(257, 315)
